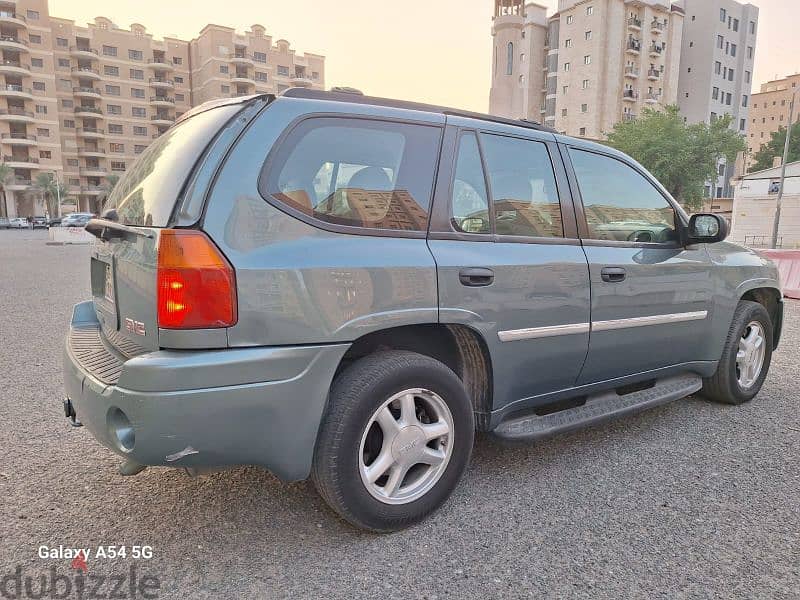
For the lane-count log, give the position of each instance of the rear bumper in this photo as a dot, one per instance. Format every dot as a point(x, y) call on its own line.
point(258, 406)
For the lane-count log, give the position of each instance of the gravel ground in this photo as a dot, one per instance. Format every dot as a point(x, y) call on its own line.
point(689, 500)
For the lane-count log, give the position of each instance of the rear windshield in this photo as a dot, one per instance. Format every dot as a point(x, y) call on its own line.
point(147, 192)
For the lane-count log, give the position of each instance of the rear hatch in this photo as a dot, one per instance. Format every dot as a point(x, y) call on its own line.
point(146, 200)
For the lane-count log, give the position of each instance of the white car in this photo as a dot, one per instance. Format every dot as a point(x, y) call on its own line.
point(18, 223)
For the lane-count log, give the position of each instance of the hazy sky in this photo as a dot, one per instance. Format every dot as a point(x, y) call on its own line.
point(428, 50)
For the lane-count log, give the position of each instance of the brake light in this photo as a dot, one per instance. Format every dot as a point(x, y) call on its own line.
point(196, 284)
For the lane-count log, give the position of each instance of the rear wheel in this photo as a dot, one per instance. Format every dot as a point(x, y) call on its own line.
point(746, 357)
point(395, 440)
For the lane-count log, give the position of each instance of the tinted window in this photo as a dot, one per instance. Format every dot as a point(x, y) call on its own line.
point(620, 204)
point(470, 205)
point(147, 192)
point(356, 172)
point(523, 187)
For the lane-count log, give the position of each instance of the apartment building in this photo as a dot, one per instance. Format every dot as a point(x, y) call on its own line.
point(588, 66)
point(716, 70)
point(770, 112)
point(81, 102)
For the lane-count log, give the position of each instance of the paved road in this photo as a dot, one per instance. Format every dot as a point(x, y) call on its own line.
point(689, 500)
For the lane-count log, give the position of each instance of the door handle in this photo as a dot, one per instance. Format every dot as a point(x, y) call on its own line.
point(613, 274)
point(476, 277)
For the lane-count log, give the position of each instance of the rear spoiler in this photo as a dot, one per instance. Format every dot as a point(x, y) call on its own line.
point(222, 102)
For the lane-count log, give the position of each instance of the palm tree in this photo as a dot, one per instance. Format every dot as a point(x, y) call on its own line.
point(51, 190)
point(5, 173)
point(111, 182)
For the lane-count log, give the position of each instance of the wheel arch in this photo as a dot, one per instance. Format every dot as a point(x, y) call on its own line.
point(460, 347)
point(771, 299)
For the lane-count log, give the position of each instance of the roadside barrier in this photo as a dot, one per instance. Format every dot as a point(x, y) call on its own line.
point(788, 263)
point(69, 235)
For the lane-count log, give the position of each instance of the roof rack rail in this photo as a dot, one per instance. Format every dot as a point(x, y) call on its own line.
point(358, 97)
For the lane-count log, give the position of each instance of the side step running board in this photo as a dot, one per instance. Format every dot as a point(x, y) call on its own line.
point(597, 409)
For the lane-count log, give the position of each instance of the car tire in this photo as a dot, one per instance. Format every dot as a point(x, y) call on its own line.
point(370, 421)
point(734, 381)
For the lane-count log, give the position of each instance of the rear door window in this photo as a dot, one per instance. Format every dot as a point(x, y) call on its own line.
point(147, 193)
point(356, 172)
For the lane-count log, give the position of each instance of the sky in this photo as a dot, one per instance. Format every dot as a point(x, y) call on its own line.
point(435, 51)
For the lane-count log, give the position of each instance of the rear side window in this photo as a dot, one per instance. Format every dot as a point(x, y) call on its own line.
point(357, 172)
point(523, 187)
point(147, 192)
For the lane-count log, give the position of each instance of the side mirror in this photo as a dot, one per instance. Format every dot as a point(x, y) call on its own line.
point(707, 228)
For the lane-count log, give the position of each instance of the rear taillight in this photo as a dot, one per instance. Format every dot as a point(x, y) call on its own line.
point(196, 285)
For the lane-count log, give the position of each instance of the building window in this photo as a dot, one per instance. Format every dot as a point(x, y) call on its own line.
point(589, 11)
point(315, 75)
point(728, 99)
point(46, 154)
point(733, 49)
point(138, 148)
point(177, 60)
point(566, 66)
point(37, 62)
point(568, 43)
point(750, 52)
point(114, 109)
point(33, 15)
point(585, 84)
point(137, 74)
point(67, 103)
point(742, 124)
point(736, 24)
point(260, 57)
point(587, 36)
point(723, 15)
point(178, 79)
point(587, 60)
point(135, 55)
point(582, 132)
point(137, 93)
point(138, 111)
point(752, 27)
point(43, 132)
point(179, 97)
point(139, 130)
point(41, 109)
point(115, 129)
point(63, 63)
point(116, 148)
point(563, 112)
point(720, 42)
point(109, 50)
point(744, 100)
point(713, 117)
point(570, 18)
point(509, 60)
point(730, 74)
point(284, 71)
point(112, 90)
point(261, 76)
point(62, 42)
point(225, 89)
point(109, 70)
point(584, 108)
point(39, 86)
point(35, 39)
point(69, 124)
point(747, 76)
point(715, 93)
point(565, 89)
point(718, 68)
point(117, 165)
point(223, 68)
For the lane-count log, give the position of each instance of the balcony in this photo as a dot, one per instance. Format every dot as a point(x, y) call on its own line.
point(630, 95)
point(162, 82)
point(83, 52)
point(633, 46)
point(635, 23)
point(652, 98)
point(18, 139)
point(657, 26)
point(92, 152)
point(17, 184)
point(16, 91)
point(162, 120)
point(11, 18)
point(93, 190)
point(86, 92)
point(88, 111)
point(242, 77)
point(653, 74)
point(655, 51)
point(160, 63)
point(12, 42)
point(631, 72)
point(86, 72)
point(241, 58)
point(16, 114)
point(93, 171)
point(299, 80)
point(628, 117)
point(14, 67)
point(21, 162)
point(90, 132)
point(162, 101)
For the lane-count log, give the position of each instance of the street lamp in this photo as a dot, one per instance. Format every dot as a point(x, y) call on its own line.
point(777, 222)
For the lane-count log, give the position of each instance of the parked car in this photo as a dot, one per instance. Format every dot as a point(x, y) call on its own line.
point(40, 222)
point(4, 223)
point(19, 223)
point(348, 288)
point(54, 222)
point(76, 220)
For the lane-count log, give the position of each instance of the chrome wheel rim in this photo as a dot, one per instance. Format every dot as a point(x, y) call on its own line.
point(751, 353)
point(406, 446)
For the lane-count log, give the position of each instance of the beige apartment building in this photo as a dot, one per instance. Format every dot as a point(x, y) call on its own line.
point(81, 102)
point(588, 66)
point(770, 112)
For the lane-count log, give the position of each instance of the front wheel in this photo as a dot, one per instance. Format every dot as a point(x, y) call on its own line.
point(746, 357)
point(395, 440)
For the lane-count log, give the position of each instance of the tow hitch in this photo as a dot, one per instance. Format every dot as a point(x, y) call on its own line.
point(69, 412)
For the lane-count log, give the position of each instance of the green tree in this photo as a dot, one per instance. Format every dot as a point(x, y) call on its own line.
point(5, 174)
point(682, 157)
point(50, 189)
point(765, 156)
